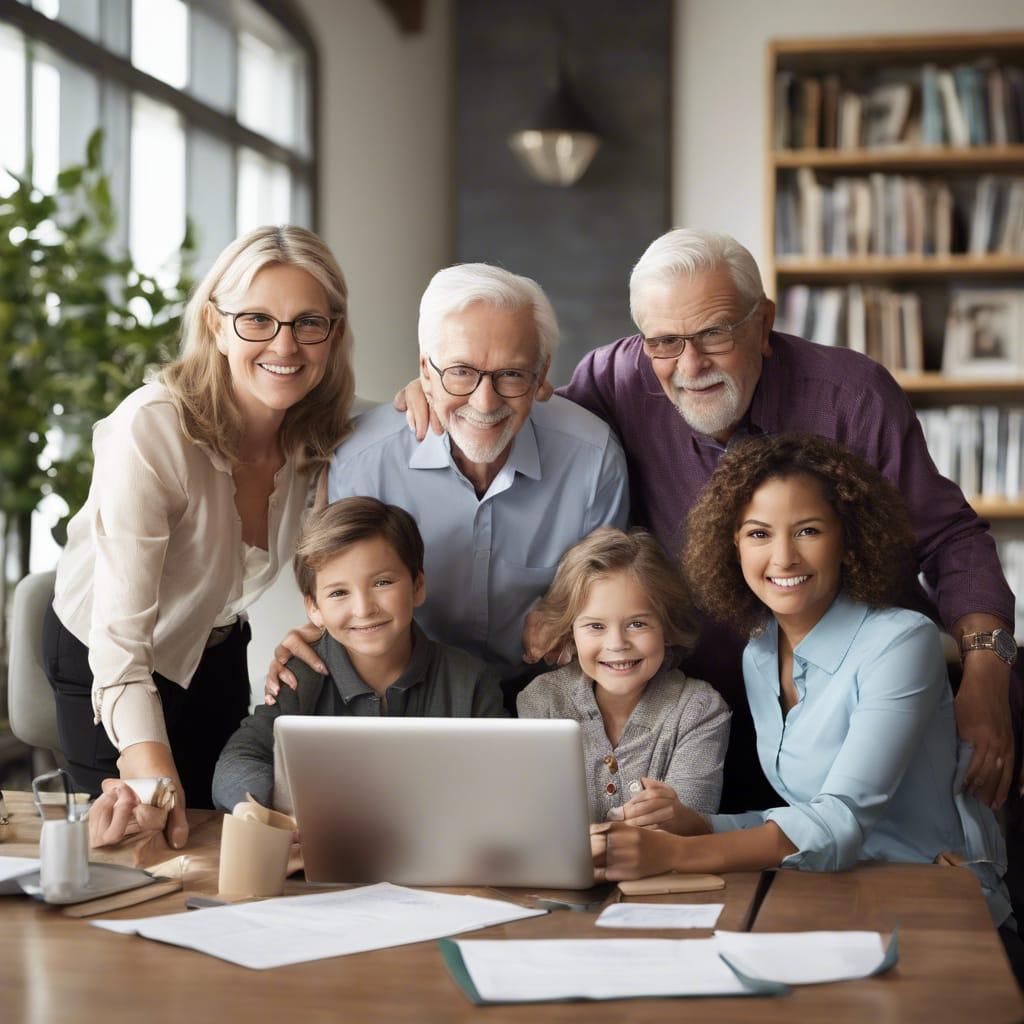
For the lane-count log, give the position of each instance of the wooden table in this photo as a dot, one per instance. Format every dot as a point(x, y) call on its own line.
point(53, 968)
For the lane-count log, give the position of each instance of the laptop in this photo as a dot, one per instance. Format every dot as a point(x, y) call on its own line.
point(439, 801)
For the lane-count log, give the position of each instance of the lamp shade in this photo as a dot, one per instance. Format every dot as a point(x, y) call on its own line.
point(560, 142)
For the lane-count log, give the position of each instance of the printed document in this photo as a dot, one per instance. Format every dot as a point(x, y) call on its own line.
point(294, 929)
point(660, 915)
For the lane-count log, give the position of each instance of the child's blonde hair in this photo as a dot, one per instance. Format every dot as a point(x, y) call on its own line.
point(607, 551)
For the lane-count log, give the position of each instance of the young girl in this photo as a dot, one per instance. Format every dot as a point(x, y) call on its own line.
point(653, 740)
point(801, 545)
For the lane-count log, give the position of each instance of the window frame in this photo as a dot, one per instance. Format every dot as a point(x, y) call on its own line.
point(77, 48)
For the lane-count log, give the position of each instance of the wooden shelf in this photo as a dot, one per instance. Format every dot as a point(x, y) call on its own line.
point(943, 384)
point(843, 53)
point(974, 158)
point(830, 268)
point(997, 508)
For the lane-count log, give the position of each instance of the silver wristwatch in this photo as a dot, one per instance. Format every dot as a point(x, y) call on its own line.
point(1000, 641)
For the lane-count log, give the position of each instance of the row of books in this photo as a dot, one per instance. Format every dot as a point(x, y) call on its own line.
point(897, 215)
point(981, 448)
point(983, 335)
point(979, 104)
point(879, 322)
point(1011, 555)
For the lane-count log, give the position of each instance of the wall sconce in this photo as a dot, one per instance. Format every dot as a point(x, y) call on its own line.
point(561, 141)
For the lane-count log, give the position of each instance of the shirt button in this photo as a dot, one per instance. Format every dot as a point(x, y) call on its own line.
point(610, 788)
point(635, 787)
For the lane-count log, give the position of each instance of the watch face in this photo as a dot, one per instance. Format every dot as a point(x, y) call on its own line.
point(1005, 645)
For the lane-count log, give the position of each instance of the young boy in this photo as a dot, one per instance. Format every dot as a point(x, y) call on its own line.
point(359, 564)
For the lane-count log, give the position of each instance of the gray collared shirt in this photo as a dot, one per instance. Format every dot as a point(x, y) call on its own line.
point(439, 682)
point(677, 734)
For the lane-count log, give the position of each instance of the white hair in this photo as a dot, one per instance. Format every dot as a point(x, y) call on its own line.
point(685, 253)
point(456, 288)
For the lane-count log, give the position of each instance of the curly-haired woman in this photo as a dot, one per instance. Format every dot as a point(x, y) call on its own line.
point(806, 548)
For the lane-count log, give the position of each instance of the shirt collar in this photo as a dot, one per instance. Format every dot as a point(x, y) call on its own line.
point(825, 646)
point(347, 680)
point(435, 452)
point(830, 640)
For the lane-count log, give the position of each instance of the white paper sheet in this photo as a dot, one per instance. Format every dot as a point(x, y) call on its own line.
point(660, 915)
point(535, 970)
point(525, 970)
point(803, 958)
point(12, 868)
point(294, 929)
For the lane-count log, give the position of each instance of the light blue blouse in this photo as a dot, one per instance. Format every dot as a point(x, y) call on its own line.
point(867, 759)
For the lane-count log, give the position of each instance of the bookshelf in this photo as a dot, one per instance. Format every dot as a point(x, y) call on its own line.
point(894, 176)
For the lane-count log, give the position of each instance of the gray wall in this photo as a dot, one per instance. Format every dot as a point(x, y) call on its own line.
point(578, 242)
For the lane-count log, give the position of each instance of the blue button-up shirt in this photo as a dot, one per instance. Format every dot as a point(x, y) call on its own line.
point(488, 559)
point(867, 758)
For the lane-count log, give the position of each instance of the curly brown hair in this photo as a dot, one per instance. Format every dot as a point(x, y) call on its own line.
point(603, 553)
point(878, 566)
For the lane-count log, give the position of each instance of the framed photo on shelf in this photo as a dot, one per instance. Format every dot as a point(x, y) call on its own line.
point(984, 333)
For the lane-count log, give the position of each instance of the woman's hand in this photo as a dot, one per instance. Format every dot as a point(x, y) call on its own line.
point(659, 806)
point(419, 413)
point(113, 814)
point(119, 813)
point(621, 851)
point(294, 645)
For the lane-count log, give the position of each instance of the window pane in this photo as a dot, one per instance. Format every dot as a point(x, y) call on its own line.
point(212, 61)
point(45, 125)
point(211, 194)
point(264, 189)
point(51, 8)
point(12, 110)
point(267, 89)
point(81, 15)
point(157, 202)
point(160, 40)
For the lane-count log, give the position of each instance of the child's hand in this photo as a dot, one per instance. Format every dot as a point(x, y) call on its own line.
point(659, 806)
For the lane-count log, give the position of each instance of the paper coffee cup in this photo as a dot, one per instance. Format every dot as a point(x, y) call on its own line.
point(254, 847)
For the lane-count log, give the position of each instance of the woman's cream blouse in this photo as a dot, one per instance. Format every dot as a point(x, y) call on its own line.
point(155, 557)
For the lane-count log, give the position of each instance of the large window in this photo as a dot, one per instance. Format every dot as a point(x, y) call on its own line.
point(206, 105)
point(207, 111)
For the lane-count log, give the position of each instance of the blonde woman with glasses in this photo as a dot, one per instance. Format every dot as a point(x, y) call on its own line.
point(199, 486)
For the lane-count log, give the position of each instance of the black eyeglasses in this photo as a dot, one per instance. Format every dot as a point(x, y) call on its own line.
point(461, 380)
point(311, 329)
point(711, 341)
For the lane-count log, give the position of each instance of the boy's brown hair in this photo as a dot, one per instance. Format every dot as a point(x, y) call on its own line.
point(344, 523)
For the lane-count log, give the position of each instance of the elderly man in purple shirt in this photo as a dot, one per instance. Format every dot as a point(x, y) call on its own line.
point(707, 370)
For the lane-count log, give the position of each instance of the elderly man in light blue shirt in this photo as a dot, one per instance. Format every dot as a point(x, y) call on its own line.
point(511, 484)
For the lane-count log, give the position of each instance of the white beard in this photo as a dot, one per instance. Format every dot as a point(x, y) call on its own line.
point(708, 415)
point(476, 452)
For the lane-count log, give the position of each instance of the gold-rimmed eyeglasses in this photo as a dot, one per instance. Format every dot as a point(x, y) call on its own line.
point(712, 341)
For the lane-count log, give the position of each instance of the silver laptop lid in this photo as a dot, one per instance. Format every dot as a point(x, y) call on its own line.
point(439, 801)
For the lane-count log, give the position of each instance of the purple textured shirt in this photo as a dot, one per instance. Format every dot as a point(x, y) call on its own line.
point(835, 393)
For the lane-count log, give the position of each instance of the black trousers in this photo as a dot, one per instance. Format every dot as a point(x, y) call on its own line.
point(200, 720)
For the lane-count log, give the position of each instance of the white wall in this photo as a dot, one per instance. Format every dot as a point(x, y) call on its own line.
point(719, 104)
point(385, 206)
point(386, 184)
